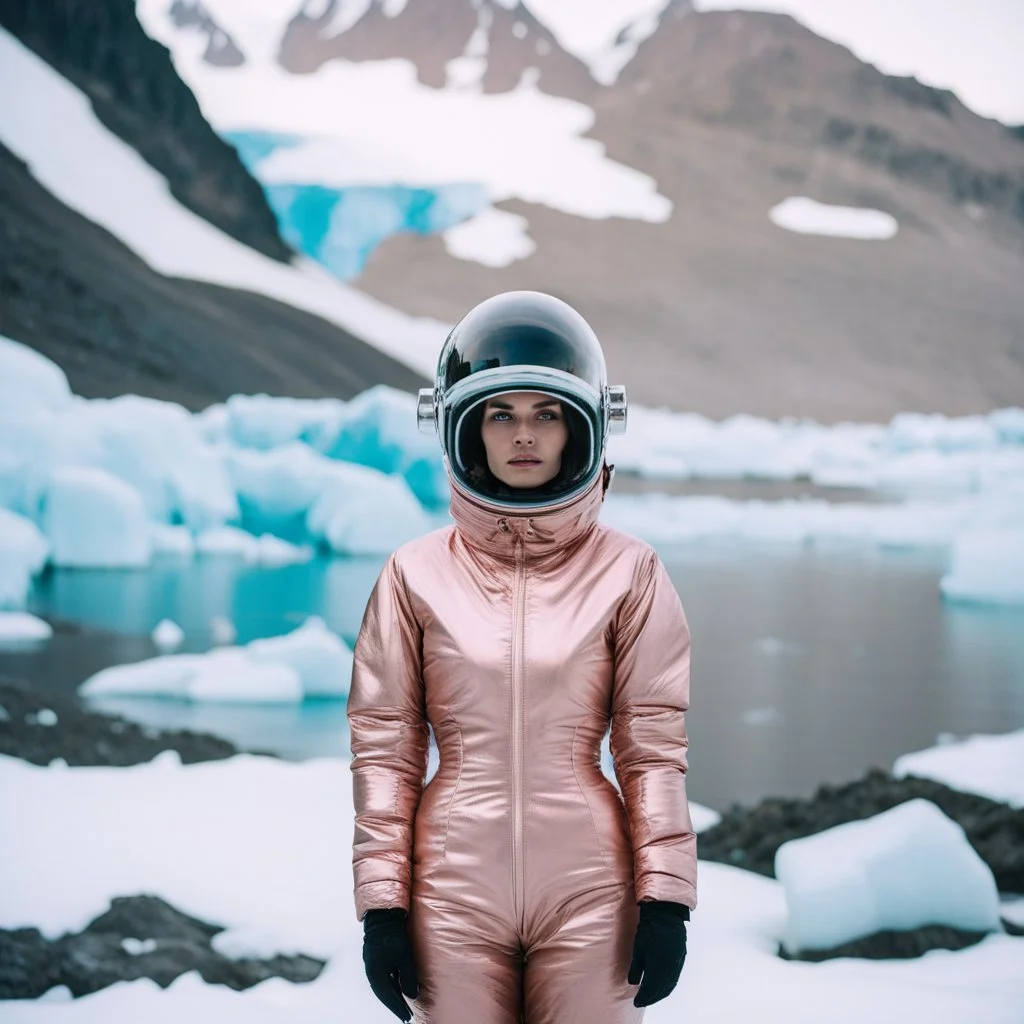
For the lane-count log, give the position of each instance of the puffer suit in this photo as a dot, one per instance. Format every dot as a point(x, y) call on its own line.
point(519, 638)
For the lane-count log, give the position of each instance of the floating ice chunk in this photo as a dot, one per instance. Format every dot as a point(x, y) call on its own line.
point(362, 511)
point(229, 675)
point(164, 676)
point(318, 656)
point(46, 717)
point(986, 566)
point(280, 484)
point(273, 551)
point(156, 447)
point(168, 636)
point(991, 766)
point(23, 553)
point(263, 422)
point(379, 430)
point(138, 947)
point(902, 869)
point(95, 520)
point(809, 217)
point(172, 540)
point(223, 630)
point(311, 661)
point(30, 381)
point(265, 549)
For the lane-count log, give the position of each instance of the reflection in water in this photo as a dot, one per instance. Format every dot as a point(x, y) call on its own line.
point(808, 666)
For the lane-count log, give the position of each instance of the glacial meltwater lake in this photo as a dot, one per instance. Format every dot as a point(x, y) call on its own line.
point(808, 666)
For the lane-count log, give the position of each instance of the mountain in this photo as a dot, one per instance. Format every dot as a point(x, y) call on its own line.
point(138, 95)
point(78, 294)
point(503, 38)
point(718, 309)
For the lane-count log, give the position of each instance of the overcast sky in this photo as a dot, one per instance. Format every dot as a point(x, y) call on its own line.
point(973, 47)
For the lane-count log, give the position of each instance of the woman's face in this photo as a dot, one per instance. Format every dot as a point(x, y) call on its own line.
point(524, 433)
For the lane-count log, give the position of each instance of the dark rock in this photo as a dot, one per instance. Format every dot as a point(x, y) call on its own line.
point(97, 957)
point(892, 945)
point(137, 94)
point(931, 168)
point(748, 838)
point(83, 737)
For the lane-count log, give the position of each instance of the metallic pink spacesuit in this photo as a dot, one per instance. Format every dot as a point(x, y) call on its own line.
point(519, 638)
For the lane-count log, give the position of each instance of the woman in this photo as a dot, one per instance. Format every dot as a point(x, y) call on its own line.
point(518, 885)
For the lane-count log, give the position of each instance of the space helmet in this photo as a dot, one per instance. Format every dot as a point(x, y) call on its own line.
point(522, 341)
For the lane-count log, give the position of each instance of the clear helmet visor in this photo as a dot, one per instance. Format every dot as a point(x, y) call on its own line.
point(488, 431)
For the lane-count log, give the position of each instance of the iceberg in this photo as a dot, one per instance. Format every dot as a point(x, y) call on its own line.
point(18, 628)
point(23, 553)
point(905, 868)
point(30, 381)
point(361, 511)
point(311, 661)
point(93, 519)
point(986, 567)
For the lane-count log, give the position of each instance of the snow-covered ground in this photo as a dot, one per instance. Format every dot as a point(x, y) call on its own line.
point(271, 869)
point(991, 766)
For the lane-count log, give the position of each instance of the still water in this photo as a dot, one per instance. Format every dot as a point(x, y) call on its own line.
point(808, 666)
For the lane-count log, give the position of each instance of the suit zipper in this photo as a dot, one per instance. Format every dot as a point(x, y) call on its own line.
point(518, 713)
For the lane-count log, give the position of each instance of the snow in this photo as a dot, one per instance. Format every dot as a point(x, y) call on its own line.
point(810, 217)
point(495, 238)
point(23, 553)
point(20, 627)
point(991, 766)
point(311, 661)
point(905, 868)
point(92, 519)
point(273, 836)
point(987, 566)
point(167, 636)
point(138, 947)
point(104, 179)
point(456, 134)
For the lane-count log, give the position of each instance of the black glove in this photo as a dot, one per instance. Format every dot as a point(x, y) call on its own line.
point(659, 950)
point(387, 956)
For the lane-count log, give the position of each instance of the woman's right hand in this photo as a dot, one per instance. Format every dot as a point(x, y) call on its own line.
point(388, 959)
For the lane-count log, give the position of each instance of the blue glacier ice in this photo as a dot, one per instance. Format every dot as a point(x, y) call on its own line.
point(340, 227)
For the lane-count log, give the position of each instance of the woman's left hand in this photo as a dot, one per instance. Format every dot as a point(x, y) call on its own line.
point(659, 950)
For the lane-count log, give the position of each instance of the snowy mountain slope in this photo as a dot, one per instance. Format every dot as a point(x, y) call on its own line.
point(135, 93)
point(91, 286)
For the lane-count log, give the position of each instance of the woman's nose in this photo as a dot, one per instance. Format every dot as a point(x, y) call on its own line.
point(524, 436)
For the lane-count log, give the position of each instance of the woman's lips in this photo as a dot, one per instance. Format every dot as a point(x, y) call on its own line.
point(524, 462)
